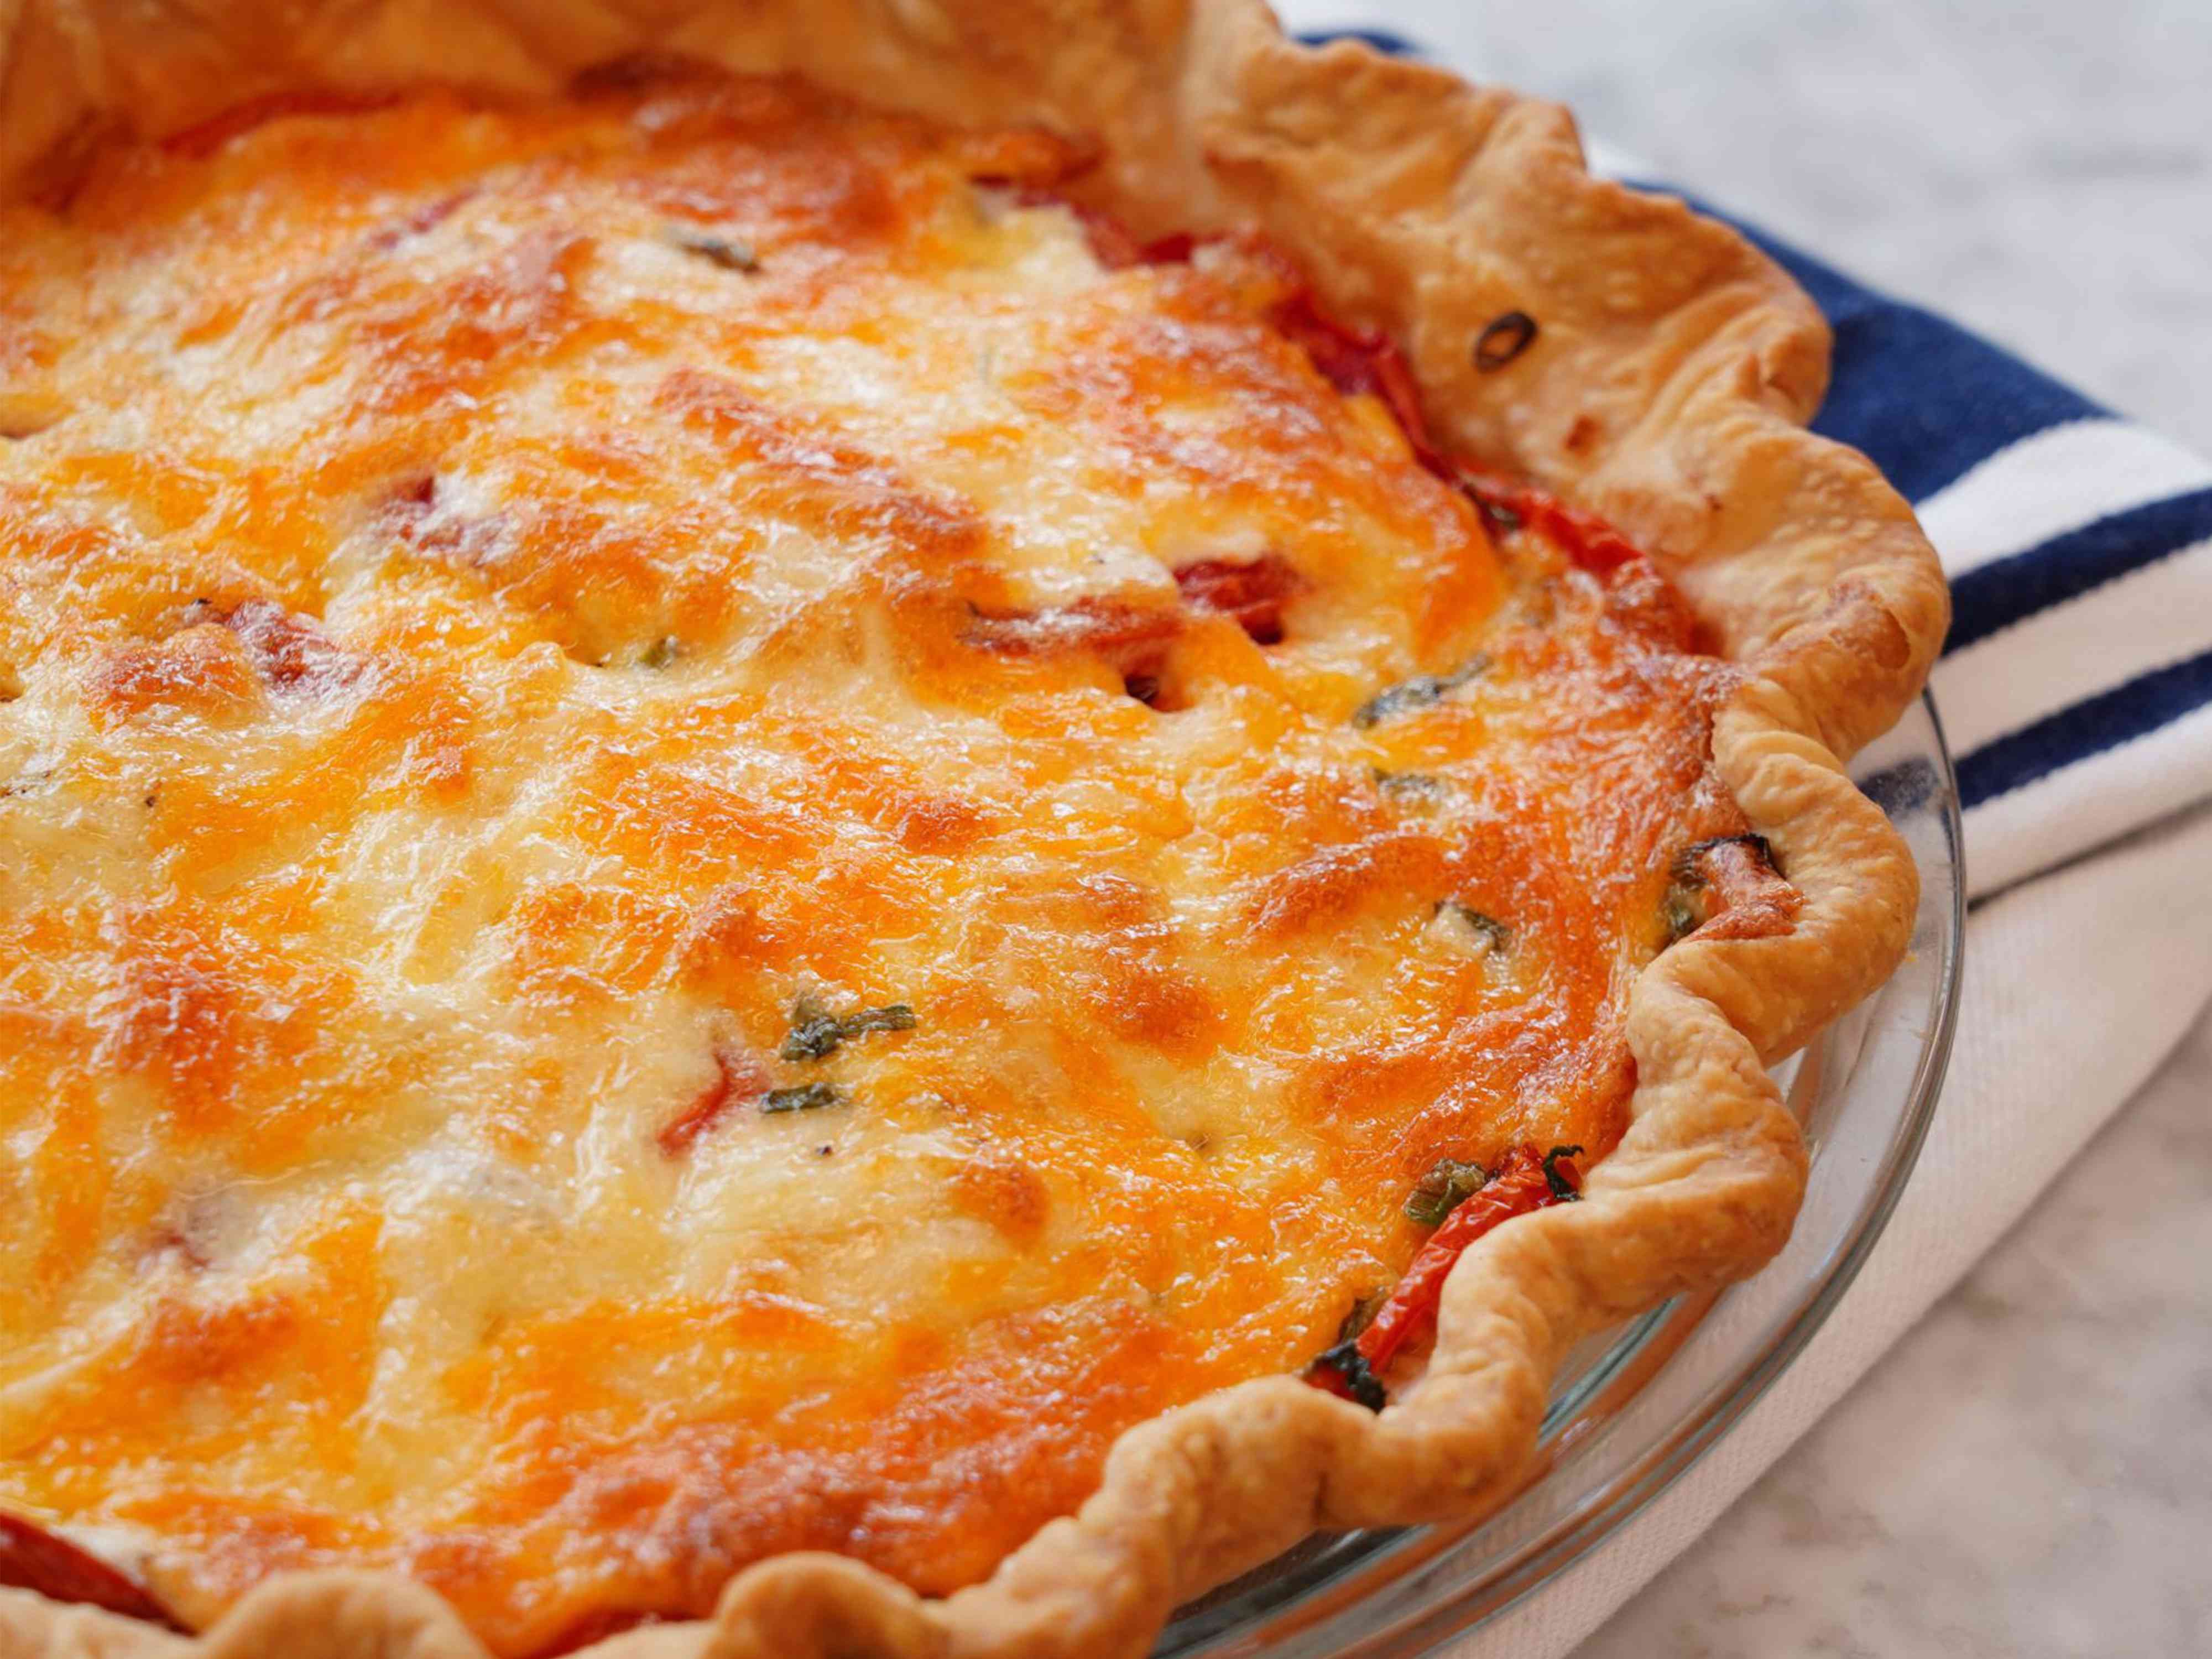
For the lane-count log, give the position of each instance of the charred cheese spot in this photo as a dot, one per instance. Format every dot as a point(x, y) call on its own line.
point(515, 599)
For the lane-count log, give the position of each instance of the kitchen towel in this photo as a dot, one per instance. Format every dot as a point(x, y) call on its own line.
point(2077, 693)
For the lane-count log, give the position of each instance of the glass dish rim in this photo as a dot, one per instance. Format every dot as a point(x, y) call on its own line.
point(1315, 1600)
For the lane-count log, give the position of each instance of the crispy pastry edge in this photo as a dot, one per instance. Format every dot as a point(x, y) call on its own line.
point(1666, 389)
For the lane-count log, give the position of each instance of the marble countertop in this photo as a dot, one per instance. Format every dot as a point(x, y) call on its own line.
point(2030, 1472)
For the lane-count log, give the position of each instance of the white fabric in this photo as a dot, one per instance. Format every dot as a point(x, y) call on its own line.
point(2106, 795)
point(2080, 976)
point(2062, 478)
point(2154, 616)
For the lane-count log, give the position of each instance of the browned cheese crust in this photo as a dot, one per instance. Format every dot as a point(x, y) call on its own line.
point(1667, 390)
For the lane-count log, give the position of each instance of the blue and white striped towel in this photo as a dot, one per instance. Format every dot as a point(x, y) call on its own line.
point(2077, 689)
point(2076, 685)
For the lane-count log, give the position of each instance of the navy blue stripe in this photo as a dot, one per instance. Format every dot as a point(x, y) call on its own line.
point(2126, 712)
point(1394, 45)
point(2006, 590)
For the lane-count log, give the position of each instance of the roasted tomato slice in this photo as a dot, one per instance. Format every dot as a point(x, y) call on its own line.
point(1526, 1180)
point(34, 1559)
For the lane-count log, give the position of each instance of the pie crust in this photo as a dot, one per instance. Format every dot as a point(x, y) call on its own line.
point(1667, 391)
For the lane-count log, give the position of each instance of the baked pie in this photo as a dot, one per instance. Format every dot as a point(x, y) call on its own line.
point(869, 829)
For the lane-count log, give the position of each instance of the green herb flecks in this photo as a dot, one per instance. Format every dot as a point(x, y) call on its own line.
point(816, 1033)
point(1446, 1185)
point(730, 252)
point(1678, 911)
point(1422, 691)
point(803, 1098)
point(661, 653)
point(1408, 786)
point(891, 1017)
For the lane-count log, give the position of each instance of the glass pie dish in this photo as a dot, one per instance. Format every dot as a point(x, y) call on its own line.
point(1634, 1407)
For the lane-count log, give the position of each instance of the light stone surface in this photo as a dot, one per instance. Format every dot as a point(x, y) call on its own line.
point(2029, 1473)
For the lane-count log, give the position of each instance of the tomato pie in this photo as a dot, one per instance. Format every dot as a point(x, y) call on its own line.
point(869, 829)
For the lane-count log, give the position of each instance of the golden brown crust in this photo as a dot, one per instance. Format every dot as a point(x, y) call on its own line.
point(1666, 391)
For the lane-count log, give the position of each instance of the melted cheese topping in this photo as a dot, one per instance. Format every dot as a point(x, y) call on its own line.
point(526, 630)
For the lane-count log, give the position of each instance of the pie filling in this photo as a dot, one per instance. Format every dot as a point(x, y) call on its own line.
point(722, 834)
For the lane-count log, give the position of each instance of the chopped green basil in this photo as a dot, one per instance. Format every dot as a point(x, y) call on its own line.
point(1678, 911)
point(1422, 691)
point(891, 1017)
point(1446, 1186)
point(1409, 785)
point(805, 1097)
point(730, 252)
point(816, 1033)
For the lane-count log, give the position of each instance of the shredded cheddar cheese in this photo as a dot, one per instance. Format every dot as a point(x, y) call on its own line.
point(705, 846)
